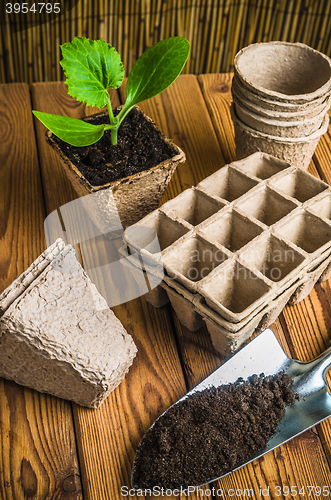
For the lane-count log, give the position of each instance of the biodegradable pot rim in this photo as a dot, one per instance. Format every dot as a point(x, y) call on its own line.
point(273, 94)
point(287, 129)
point(297, 115)
point(287, 140)
point(275, 122)
point(179, 157)
point(273, 104)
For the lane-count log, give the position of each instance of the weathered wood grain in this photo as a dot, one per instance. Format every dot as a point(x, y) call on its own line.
point(216, 89)
point(194, 112)
point(294, 464)
point(321, 160)
point(107, 437)
point(37, 444)
point(22, 211)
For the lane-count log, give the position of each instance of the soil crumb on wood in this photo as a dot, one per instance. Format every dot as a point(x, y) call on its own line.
point(210, 432)
point(140, 146)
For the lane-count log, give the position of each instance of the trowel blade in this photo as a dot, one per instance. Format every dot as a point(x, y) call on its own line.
point(265, 355)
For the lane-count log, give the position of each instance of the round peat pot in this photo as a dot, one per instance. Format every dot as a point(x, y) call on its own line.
point(297, 113)
point(283, 71)
point(296, 151)
point(278, 128)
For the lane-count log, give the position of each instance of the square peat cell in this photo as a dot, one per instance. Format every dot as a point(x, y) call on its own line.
point(192, 206)
point(154, 233)
point(306, 231)
point(232, 230)
point(261, 165)
point(266, 205)
point(234, 288)
point(299, 185)
point(193, 260)
point(272, 257)
point(227, 183)
point(322, 207)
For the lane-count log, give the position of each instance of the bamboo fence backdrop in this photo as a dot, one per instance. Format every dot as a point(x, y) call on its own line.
point(216, 29)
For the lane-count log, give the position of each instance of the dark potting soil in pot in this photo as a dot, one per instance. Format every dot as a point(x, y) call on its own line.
point(210, 432)
point(140, 146)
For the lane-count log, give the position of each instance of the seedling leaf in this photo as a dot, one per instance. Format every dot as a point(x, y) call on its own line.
point(156, 69)
point(71, 130)
point(91, 67)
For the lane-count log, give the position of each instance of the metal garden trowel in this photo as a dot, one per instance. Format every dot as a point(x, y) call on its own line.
point(265, 355)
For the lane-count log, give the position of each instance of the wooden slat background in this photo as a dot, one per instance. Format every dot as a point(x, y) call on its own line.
point(216, 29)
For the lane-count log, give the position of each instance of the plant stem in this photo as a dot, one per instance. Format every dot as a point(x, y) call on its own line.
point(112, 122)
point(114, 136)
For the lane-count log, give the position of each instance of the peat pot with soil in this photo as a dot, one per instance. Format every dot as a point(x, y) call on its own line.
point(119, 155)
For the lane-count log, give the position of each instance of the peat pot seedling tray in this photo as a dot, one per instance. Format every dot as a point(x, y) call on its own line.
point(235, 249)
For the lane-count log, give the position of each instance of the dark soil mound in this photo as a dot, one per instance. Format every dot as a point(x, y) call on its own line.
point(140, 146)
point(210, 432)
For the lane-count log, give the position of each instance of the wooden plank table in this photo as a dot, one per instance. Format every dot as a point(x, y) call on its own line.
point(53, 449)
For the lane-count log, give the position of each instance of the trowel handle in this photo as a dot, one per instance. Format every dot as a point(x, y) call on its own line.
point(312, 378)
point(322, 362)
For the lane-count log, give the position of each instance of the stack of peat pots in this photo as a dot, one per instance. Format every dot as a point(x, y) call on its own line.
point(231, 252)
point(281, 96)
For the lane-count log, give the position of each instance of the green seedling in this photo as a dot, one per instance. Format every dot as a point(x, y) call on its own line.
point(93, 67)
